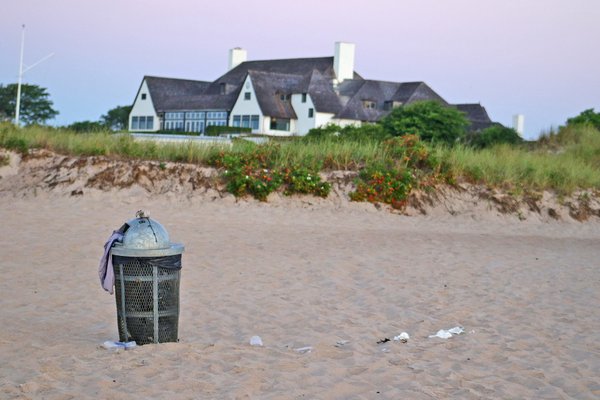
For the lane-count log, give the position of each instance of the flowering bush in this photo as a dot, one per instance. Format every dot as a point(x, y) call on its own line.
point(385, 186)
point(301, 180)
point(254, 173)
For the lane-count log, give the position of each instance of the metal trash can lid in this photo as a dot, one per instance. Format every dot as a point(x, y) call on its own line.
point(146, 237)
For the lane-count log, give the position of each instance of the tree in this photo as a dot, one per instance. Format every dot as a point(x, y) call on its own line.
point(495, 134)
point(588, 117)
point(429, 120)
point(117, 118)
point(36, 107)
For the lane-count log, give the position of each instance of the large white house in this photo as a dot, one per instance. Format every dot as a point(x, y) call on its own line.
point(279, 97)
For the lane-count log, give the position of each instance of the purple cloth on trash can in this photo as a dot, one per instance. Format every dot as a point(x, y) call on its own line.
point(105, 270)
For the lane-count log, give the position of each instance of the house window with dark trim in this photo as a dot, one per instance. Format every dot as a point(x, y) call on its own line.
point(245, 121)
point(236, 121)
point(254, 121)
point(284, 97)
point(304, 97)
point(311, 112)
point(135, 123)
point(246, 95)
point(143, 96)
point(149, 122)
point(280, 124)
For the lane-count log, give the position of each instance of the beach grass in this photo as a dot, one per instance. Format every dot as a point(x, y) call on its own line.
point(563, 161)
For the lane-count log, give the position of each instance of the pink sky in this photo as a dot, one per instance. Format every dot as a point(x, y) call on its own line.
point(536, 57)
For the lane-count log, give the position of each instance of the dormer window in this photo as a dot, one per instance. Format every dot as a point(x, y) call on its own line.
point(369, 104)
point(143, 96)
point(223, 88)
point(390, 105)
point(285, 97)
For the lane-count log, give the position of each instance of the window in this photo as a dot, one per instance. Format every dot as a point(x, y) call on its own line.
point(246, 95)
point(135, 123)
point(142, 122)
point(311, 112)
point(369, 104)
point(149, 122)
point(304, 97)
point(280, 124)
point(284, 97)
point(245, 121)
point(236, 121)
point(223, 88)
point(143, 96)
point(254, 121)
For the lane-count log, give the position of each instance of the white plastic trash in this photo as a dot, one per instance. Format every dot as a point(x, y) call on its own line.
point(448, 333)
point(403, 337)
point(256, 341)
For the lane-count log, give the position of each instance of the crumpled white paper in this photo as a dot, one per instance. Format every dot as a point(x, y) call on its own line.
point(256, 341)
point(403, 337)
point(448, 333)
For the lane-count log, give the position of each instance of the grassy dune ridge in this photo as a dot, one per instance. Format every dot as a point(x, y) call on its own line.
point(565, 161)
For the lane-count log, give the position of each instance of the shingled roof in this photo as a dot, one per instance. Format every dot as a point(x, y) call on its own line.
point(171, 93)
point(355, 93)
point(477, 115)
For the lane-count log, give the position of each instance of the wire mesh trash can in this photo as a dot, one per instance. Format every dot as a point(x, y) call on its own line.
point(147, 270)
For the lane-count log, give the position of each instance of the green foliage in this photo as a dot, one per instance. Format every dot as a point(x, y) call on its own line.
point(36, 107)
point(87, 127)
point(587, 117)
point(430, 120)
point(383, 184)
point(302, 180)
point(214, 130)
point(365, 132)
point(494, 135)
point(116, 119)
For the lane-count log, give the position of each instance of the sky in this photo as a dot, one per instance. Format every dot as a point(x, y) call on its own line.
point(539, 58)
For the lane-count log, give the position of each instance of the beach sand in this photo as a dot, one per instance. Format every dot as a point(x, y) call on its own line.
point(527, 294)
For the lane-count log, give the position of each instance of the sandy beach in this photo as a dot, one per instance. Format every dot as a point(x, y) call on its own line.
point(299, 274)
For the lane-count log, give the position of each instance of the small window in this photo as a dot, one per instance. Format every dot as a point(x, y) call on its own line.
point(246, 95)
point(149, 122)
point(223, 88)
point(135, 124)
point(311, 112)
point(236, 121)
point(284, 97)
point(304, 97)
point(254, 121)
point(143, 96)
point(369, 104)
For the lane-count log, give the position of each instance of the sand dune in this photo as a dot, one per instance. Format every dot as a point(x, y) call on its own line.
point(302, 273)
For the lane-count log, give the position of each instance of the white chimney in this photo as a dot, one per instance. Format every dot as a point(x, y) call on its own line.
point(519, 124)
point(236, 57)
point(343, 61)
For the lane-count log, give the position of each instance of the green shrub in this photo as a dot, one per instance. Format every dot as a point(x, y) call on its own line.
point(430, 120)
point(494, 135)
point(214, 130)
point(587, 117)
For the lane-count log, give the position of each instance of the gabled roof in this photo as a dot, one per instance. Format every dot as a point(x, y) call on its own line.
point(355, 93)
point(269, 86)
point(477, 114)
point(322, 94)
point(171, 93)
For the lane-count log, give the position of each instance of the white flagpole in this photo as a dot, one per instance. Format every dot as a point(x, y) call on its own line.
point(18, 107)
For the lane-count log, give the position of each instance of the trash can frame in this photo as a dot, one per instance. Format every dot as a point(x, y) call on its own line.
point(166, 265)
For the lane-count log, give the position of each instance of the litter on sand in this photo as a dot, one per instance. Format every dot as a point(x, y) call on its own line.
point(384, 340)
point(256, 341)
point(112, 345)
point(303, 350)
point(341, 343)
point(403, 337)
point(448, 333)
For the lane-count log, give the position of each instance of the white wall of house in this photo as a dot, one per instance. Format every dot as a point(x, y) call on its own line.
point(248, 107)
point(346, 122)
point(144, 108)
point(304, 122)
point(273, 132)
